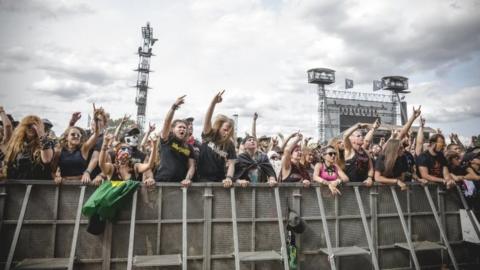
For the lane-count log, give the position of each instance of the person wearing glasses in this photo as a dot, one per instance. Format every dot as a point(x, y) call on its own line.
point(358, 165)
point(327, 172)
point(71, 158)
point(432, 164)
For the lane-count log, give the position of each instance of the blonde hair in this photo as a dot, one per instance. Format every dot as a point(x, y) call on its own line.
point(217, 125)
point(63, 139)
point(19, 136)
point(335, 142)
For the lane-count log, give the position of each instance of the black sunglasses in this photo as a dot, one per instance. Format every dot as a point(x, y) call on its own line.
point(332, 154)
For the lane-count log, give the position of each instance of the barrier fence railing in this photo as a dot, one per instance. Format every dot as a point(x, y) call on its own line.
point(207, 226)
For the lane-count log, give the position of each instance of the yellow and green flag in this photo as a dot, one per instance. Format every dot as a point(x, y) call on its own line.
point(108, 198)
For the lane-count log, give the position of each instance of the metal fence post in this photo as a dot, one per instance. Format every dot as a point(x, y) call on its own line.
point(331, 257)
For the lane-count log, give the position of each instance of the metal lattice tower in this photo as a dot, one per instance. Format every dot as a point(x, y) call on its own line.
point(322, 77)
point(143, 69)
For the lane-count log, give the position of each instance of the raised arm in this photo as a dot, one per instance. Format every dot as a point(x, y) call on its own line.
point(169, 117)
point(90, 143)
point(419, 140)
point(7, 126)
point(151, 128)
point(285, 142)
point(106, 167)
point(207, 122)
point(119, 127)
point(369, 137)
point(254, 125)
point(408, 125)
point(347, 134)
point(46, 153)
point(74, 118)
point(143, 167)
point(287, 154)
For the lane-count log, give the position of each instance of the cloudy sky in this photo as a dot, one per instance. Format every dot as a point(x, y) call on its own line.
point(57, 57)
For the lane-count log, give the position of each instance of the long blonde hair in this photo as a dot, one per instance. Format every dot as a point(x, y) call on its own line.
point(335, 142)
point(63, 140)
point(16, 143)
point(217, 125)
point(390, 151)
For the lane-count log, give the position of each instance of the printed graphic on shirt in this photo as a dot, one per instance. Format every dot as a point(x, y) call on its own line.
point(217, 150)
point(180, 149)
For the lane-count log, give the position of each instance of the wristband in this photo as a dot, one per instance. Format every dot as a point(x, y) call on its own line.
point(229, 177)
point(174, 107)
point(87, 171)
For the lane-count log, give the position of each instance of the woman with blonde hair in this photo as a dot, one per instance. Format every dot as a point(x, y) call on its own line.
point(29, 151)
point(217, 153)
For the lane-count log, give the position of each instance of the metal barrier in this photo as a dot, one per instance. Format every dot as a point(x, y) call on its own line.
point(209, 227)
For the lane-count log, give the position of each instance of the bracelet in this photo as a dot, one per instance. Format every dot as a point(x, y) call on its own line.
point(229, 177)
point(87, 171)
point(175, 107)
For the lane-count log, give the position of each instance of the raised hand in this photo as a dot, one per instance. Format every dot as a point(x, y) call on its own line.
point(75, 117)
point(151, 127)
point(376, 124)
point(218, 97)
point(422, 121)
point(179, 101)
point(417, 112)
point(255, 116)
point(125, 118)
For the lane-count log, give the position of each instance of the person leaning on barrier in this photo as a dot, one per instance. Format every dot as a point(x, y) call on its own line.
point(217, 157)
point(253, 166)
point(432, 164)
point(358, 165)
point(6, 130)
point(177, 157)
point(327, 171)
point(391, 166)
point(292, 170)
point(123, 168)
point(29, 151)
point(70, 160)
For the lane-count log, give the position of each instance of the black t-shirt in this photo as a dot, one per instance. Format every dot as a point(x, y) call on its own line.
point(434, 164)
point(213, 157)
point(356, 168)
point(28, 167)
point(399, 167)
point(173, 160)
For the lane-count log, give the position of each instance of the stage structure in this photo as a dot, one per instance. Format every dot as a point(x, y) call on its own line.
point(143, 69)
point(339, 110)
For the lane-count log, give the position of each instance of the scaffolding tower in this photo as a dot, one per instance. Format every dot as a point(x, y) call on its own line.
point(143, 69)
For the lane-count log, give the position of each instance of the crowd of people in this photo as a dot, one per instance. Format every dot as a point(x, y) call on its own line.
point(29, 150)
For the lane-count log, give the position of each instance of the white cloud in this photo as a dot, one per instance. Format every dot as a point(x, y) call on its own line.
point(257, 52)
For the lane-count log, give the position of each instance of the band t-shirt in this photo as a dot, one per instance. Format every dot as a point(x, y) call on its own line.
point(433, 163)
point(174, 158)
point(399, 167)
point(213, 157)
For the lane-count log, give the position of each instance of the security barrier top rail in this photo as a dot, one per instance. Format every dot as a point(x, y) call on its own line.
point(210, 227)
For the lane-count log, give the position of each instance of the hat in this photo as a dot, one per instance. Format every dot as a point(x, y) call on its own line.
point(132, 131)
point(263, 137)
point(189, 119)
point(47, 123)
point(295, 222)
point(471, 156)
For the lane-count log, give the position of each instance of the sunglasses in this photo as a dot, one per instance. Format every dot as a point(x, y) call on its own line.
point(332, 154)
point(75, 135)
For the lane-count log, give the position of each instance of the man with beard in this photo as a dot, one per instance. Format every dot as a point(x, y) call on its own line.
point(177, 163)
point(253, 166)
point(432, 164)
